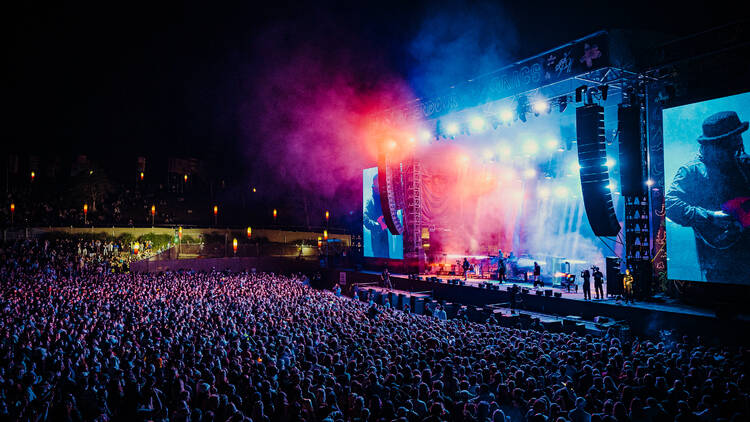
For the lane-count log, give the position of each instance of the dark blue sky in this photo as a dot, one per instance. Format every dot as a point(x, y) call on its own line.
point(171, 77)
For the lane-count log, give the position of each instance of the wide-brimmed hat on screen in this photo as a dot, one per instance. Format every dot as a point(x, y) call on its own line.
point(720, 126)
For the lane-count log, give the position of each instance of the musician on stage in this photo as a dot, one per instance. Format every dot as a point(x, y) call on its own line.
point(627, 284)
point(466, 267)
point(386, 279)
point(711, 194)
point(586, 276)
point(538, 275)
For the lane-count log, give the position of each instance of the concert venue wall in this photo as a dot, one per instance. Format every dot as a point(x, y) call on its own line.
point(702, 246)
point(378, 242)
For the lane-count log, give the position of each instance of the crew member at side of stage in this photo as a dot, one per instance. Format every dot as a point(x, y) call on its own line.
point(538, 275)
point(586, 276)
point(598, 283)
point(627, 284)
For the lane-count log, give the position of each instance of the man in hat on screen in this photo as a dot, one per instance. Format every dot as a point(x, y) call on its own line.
point(711, 194)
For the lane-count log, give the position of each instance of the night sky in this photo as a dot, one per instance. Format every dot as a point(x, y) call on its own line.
point(191, 79)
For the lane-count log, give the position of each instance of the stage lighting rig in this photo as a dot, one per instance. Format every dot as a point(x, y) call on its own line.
point(563, 103)
point(604, 89)
point(521, 107)
point(579, 93)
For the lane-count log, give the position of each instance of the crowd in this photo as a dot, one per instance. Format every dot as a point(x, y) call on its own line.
point(79, 344)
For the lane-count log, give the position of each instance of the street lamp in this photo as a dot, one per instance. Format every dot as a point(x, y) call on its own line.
point(234, 245)
point(141, 176)
point(249, 232)
point(325, 234)
point(216, 215)
point(185, 178)
point(33, 175)
point(12, 212)
point(86, 214)
point(274, 215)
point(327, 216)
point(153, 213)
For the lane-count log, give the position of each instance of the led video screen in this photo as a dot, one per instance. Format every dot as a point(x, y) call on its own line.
point(707, 179)
point(378, 241)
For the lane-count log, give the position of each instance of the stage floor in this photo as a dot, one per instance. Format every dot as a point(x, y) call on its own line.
point(671, 306)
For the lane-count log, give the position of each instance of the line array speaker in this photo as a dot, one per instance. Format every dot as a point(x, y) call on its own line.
point(592, 157)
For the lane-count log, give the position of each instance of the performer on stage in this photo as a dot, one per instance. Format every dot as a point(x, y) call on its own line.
point(466, 267)
point(627, 283)
point(586, 276)
point(538, 275)
point(386, 278)
point(598, 282)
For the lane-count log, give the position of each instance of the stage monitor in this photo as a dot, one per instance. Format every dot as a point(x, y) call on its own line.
point(377, 239)
point(707, 180)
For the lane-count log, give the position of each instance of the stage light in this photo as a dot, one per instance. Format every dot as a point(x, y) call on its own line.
point(391, 144)
point(552, 143)
point(561, 192)
point(610, 162)
point(521, 107)
point(506, 115)
point(451, 129)
point(412, 140)
point(477, 124)
point(425, 135)
point(575, 167)
point(563, 103)
point(504, 150)
point(530, 147)
point(543, 192)
point(487, 154)
point(650, 182)
point(529, 173)
point(612, 186)
point(540, 106)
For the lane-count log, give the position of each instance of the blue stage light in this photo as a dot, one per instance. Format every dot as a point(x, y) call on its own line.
point(451, 128)
point(506, 115)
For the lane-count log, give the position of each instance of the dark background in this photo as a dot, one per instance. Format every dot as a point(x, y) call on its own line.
point(119, 80)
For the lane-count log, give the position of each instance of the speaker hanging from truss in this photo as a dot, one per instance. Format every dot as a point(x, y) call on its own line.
point(391, 181)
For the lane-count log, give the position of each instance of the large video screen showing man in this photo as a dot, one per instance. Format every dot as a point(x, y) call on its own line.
point(378, 241)
point(707, 175)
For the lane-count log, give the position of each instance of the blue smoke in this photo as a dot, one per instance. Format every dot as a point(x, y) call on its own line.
point(459, 42)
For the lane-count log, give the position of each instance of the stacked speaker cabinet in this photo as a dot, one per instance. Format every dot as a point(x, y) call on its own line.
point(633, 176)
point(595, 184)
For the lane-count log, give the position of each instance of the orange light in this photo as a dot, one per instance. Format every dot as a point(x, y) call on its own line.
point(33, 175)
point(325, 234)
point(327, 215)
point(12, 207)
point(274, 213)
point(234, 245)
point(85, 208)
point(320, 242)
point(153, 209)
point(249, 232)
point(141, 175)
point(216, 209)
point(254, 190)
point(179, 232)
point(186, 178)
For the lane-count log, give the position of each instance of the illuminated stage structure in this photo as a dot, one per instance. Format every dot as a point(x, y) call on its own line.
point(557, 158)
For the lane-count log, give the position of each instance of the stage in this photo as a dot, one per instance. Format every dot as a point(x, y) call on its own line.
point(642, 318)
